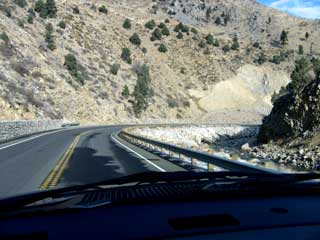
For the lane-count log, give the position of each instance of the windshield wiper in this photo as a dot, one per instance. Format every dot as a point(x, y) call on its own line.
point(151, 177)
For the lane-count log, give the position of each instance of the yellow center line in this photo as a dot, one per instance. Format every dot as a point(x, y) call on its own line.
point(53, 178)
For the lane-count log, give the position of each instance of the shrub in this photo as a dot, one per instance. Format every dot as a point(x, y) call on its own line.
point(276, 59)
point(162, 48)
point(115, 68)
point(316, 67)
point(49, 37)
point(134, 39)
point(162, 25)
point(21, 23)
point(165, 31)
point(76, 10)
point(6, 10)
point(216, 43)
point(181, 27)
point(21, 3)
point(30, 19)
point(103, 9)
point(4, 37)
point(47, 9)
point(39, 5)
point(235, 45)
point(125, 92)
point(261, 59)
point(126, 55)
point(193, 30)
point(144, 50)
point(210, 39)
point(256, 45)
point(156, 35)
point(218, 21)
point(180, 35)
point(202, 44)
point(75, 69)
point(300, 50)
point(126, 24)
point(31, 15)
point(62, 24)
point(226, 48)
point(150, 24)
point(167, 21)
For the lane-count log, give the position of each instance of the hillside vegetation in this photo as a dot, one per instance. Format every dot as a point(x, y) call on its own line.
point(144, 61)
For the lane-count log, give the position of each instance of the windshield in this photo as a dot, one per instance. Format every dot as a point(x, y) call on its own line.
point(96, 90)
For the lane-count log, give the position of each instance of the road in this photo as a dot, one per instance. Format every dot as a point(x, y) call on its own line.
point(70, 157)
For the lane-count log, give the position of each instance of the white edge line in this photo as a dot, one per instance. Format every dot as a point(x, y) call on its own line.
point(31, 138)
point(139, 155)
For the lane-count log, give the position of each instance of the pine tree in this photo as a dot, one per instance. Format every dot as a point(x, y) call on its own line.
point(300, 50)
point(142, 91)
point(284, 37)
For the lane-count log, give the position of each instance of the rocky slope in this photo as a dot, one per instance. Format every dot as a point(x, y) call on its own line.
point(191, 81)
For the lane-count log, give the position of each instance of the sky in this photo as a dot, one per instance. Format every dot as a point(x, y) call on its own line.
point(300, 8)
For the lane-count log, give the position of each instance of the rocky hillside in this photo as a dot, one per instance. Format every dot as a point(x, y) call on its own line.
point(98, 61)
point(296, 110)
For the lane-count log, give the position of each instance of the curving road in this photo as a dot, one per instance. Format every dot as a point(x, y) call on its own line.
point(71, 157)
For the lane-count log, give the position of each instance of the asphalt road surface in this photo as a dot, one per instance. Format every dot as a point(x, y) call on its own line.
point(70, 157)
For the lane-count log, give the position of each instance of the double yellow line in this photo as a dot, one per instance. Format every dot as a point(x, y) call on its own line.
point(53, 178)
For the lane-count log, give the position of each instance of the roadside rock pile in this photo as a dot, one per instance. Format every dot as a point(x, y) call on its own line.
point(196, 136)
point(302, 157)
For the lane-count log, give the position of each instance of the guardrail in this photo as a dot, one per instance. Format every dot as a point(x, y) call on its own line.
point(193, 155)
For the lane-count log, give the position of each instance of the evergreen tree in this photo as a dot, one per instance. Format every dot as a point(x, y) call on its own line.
point(284, 37)
point(126, 55)
point(300, 50)
point(307, 35)
point(142, 91)
point(299, 76)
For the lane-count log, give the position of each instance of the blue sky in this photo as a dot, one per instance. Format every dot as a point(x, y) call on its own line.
point(301, 8)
